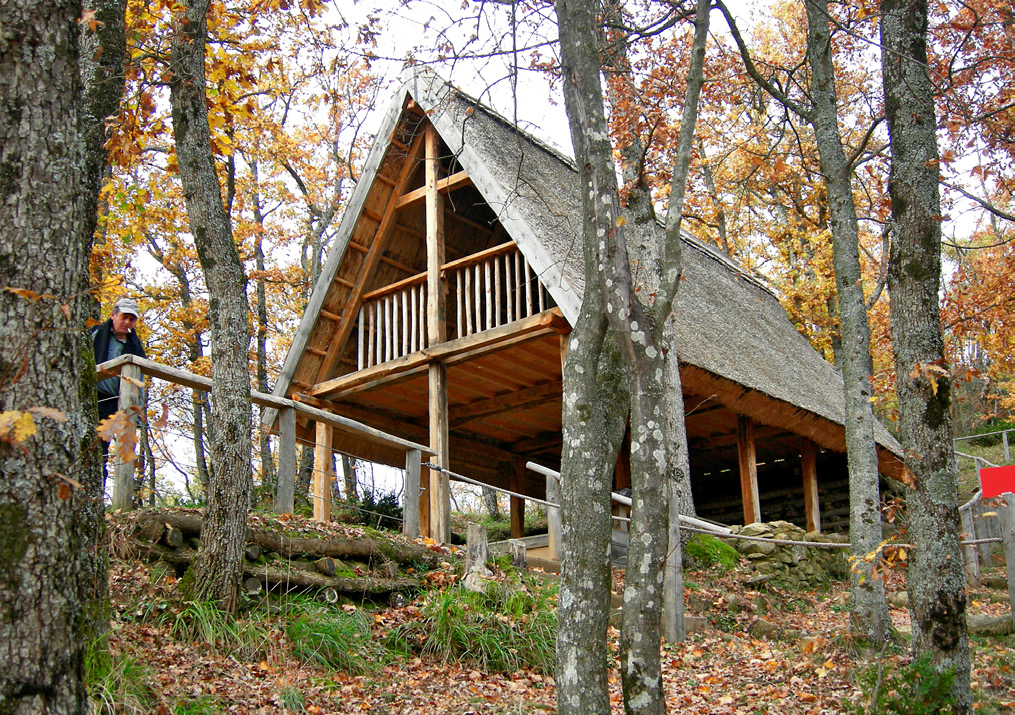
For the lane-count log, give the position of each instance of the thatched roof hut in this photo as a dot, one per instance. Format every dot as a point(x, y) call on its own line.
point(501, 201)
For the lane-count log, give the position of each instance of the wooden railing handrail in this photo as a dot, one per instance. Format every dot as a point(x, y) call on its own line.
point(394, 287)
point(475, 258)
point(464, 262)
point(199, 382)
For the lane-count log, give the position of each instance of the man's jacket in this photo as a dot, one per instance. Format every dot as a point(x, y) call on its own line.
point(104, 333)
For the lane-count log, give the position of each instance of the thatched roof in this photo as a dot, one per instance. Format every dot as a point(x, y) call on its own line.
point(731, 329)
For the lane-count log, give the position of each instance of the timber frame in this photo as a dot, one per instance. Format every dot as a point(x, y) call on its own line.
point(442, 312)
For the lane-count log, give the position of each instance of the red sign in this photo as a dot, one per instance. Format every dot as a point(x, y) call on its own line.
point(997, 480)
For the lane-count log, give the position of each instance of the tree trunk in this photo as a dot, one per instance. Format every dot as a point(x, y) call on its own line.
point(218, 568)
point(268, 477)
point(349, 477)
point(305, 474)
point(937, 581)
point(47, 576)
point(490, 502)
point(868, 613)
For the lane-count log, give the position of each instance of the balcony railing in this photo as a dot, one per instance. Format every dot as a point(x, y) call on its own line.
point(485, 291)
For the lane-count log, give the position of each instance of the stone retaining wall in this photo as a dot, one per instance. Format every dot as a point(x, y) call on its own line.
point(793, 566)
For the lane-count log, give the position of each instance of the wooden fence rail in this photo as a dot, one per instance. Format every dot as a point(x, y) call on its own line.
point(133, 367)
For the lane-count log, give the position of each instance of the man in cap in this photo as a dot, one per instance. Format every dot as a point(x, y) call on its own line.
point(112, 339)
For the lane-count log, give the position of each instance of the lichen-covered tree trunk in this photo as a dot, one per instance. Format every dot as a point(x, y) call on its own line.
point(868, 610)
point(937, 582)
point(46, 572)
point(218, 567)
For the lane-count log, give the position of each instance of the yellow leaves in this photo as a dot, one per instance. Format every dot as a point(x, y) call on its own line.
point(16, 426)
point(931, 372)
point(120, 426)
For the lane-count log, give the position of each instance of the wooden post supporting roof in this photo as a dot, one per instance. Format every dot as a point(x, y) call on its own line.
point(748, 470)
point(323, 472)
point(809, 468)
point(438, 489)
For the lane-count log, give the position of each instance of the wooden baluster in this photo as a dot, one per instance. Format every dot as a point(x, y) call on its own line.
point(519, 285)
point(405, 322)
point(379, 331)
point(488, 297)
point(509, 302)
point(396, 327)
point(468, 300)
point(496, 292)
point(422, 312)
point(477, 285)
point(370, 332)
point(458, 303)
point(540, 291)
point(528, 285)
point(414, 300)
point(359, 337)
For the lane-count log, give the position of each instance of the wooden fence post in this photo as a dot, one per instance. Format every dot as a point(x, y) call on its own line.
point(1007, 451)
point(1007, 513)
point(981, 532)
point(970, 554)
point(130, 399)
point(410, 498)
point(286, 460)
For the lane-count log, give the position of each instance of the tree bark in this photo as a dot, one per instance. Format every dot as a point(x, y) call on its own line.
point(868, 613)
point(47, 575)
point(937, 582)
point(218, 568)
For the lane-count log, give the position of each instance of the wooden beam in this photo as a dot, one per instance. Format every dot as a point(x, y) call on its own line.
point(441, 185)
point(322, 472)
point(540, 442)
point(370, 261)
point(809, 469)
point(485, 408)
point(747, 457)
point(454, 351)
point(437, 373)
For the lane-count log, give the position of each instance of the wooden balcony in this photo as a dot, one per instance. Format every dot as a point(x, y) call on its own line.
point(487, 290)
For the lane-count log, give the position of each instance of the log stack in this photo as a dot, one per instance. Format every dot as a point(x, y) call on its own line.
point(332, 565)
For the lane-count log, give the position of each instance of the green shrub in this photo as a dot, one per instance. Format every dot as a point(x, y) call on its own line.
point(376, 509)
point(335, 639)
point(916, 689)
point(503, 629)
point(117, 683)
point(704, 552)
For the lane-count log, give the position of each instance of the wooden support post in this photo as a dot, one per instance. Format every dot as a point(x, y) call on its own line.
point(553, 516)
point(517, 503)
point(1007, 514)
point(748, 470)
point(130, 399)
point(1007, 450)
point(809, 468)
point(286, 460)
point(439, 491)
point(323, 472)
point(969, 553)
point(410, 506)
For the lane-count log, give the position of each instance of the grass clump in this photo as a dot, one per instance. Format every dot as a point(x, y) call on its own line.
point(204, 622)
point(705, 552)
point(507, 627)
point(334, 639)
point(916, 689)
point(117, 683)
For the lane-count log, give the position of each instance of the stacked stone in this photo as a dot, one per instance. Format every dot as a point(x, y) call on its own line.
point(792, 566)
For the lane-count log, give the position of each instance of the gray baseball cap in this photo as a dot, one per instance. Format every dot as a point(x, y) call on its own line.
point(126, 305)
